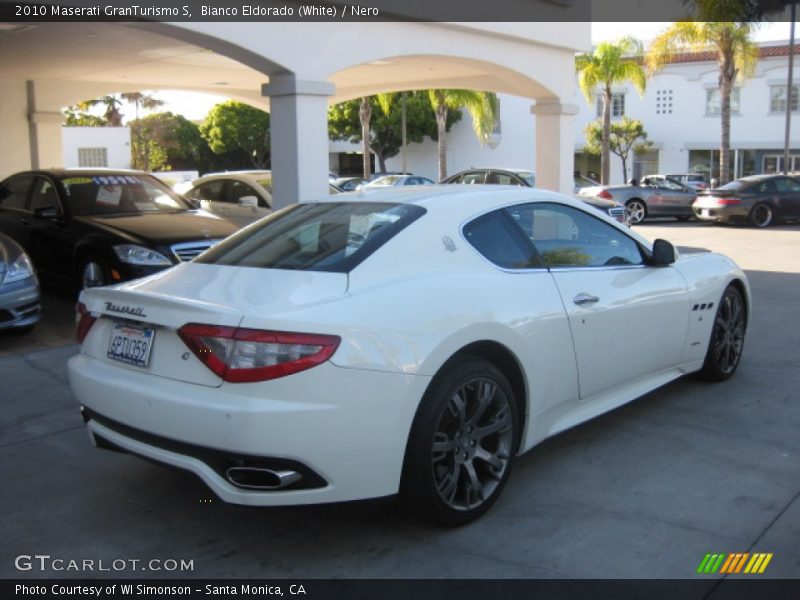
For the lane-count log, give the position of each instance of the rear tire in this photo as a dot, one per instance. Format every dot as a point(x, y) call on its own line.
point(462, 443)
point(637, 211)
point(761, 215)
point(727, 337)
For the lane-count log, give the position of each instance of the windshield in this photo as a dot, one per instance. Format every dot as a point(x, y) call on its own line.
point(329, 236)
point(89, 195)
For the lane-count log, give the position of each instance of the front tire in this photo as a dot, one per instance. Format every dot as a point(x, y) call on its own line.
point(761, 215)
point(92, 273)
point(462, 443)
point(637, 211)
point(727, 337)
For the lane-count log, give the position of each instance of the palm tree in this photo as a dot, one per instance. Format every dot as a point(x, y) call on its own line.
point(365, 114)
point(482, 106)
point(736, 55)
point(607, 64)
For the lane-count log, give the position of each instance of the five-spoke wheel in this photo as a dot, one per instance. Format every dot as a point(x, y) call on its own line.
point(637, 211)
point(761, 215)
point(92, 274)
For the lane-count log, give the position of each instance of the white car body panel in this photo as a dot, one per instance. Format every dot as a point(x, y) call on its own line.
point(401, 315)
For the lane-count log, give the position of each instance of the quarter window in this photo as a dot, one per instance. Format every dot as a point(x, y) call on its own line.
point(44, 195)
point(567, 237)
point(495, 236)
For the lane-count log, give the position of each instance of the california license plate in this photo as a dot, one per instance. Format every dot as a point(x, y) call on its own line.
point(131, 344)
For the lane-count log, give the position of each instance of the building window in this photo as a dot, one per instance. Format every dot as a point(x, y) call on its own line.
point(663, 102)
point(92, 157)
point(617, 105)
point(777, 99)
point(713, 103)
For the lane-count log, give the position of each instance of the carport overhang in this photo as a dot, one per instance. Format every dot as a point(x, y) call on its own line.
point(295, 70)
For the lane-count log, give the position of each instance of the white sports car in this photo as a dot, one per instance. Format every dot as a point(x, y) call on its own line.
point(415, 341)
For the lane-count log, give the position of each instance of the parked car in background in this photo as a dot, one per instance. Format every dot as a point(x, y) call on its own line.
point(522, 178)
point(697, 181)
point(287, 365)
point(348, 184)
point(394, 181)
point(655, 196)
point(240, 197)
point(101, 226)
point(19, 287)
point(760, 200)
point(582, 182)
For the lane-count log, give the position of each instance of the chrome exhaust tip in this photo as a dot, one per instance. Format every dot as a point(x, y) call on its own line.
point(258, 478)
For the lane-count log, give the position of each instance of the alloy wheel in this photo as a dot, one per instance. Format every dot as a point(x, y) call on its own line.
point(92, 275)
point(728, 337)
point(636, 211)
point(761, 216)
point(472, 444)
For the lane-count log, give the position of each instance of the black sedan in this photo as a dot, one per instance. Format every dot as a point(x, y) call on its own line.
point(759, 200)
point(99, 226)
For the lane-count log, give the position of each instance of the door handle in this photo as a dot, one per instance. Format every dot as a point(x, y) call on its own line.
point(582, 299)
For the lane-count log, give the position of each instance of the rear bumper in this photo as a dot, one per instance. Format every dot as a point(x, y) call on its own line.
point(349, 427)
point(19, 304)
point(721, 214)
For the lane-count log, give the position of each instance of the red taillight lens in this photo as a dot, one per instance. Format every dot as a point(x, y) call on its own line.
point(728, 201)
point(248, 355)
point(85, 320)
point(605, 194)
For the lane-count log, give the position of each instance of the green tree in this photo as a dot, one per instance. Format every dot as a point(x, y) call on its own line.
point(730, 40)
point(625, 135)
point(75, 117)
point(483, 107)
point(609, 63)
point(165, 141)
point(234, 127)
point(386, 136)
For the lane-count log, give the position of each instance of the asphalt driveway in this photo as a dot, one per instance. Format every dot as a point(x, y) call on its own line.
point(643, 492)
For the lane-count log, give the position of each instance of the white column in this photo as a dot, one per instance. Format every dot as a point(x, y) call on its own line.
point(298, 138)
point(555, 153)
point(15, 153)
point(44, 125)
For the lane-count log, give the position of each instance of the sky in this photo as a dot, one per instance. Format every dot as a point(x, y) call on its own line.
point(195, 106)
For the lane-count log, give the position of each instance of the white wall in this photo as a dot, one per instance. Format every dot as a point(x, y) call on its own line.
point(116, 140)
point(14, 125)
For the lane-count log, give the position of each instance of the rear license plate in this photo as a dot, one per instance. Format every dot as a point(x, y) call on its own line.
point(131, 344)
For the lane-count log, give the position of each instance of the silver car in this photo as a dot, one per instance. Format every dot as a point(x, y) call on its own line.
point(19, 287)
point(652, 197)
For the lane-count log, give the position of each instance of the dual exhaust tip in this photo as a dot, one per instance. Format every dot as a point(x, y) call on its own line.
point(258, 478)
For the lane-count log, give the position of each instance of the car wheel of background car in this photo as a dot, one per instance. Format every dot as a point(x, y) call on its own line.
point(93, 273)
point(637, 211)
point(462, 443)
point(727, 337)
point(761, 215)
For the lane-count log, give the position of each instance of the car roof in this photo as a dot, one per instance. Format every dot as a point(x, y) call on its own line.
point(66, 171)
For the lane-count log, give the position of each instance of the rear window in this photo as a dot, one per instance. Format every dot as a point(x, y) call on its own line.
point(330, 236)
point(733, 186)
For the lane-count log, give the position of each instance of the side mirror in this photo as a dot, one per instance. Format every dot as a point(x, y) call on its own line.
point(248, 201)
point(45, 212)
point(663, 253)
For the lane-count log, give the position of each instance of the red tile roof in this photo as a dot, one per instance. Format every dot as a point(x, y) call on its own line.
point(711, 55)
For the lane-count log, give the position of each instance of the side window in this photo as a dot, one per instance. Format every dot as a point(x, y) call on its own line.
point(473, 177)
point(240, 190)
point(567, 237)
point(496, 238)
point(502, 179)
point(208, 191)
point(787, 185)
point(44, 194)
point(14, 192)
point(767, 186)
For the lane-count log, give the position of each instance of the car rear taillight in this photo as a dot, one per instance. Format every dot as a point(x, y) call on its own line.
point(605, 194)
point(248, 355)
point(728, 201)
point(84, 320)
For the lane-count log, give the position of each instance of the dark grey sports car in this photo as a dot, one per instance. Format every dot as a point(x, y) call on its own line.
point(760, 200)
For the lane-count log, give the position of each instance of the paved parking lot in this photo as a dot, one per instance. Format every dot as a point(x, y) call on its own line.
point(645, 491)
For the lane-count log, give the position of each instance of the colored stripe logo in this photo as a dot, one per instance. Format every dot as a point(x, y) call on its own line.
point(735, 562)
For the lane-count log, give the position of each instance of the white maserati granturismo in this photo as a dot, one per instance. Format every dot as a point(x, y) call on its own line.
point(407, 341)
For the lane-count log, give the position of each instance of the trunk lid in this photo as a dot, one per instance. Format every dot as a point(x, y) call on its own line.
point(195, 293)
